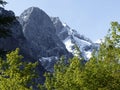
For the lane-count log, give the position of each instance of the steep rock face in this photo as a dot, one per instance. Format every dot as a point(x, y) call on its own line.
point(17, 40)
point(39, 30)
point(57, 23)
point(61, 31)
point(71, 37)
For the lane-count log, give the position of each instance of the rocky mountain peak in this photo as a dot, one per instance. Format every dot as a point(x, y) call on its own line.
point(57, 23)
point(71, 38)
point(44, 38)
point(39, 30)
point(38, 22)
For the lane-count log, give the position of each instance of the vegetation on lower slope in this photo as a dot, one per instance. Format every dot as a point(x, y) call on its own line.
point(101, 72)
point(16, 74)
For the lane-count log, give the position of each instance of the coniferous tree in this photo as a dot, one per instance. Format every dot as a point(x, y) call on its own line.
point(65, 76)
point(101, 72)
point(16, 74)
point(2, 2)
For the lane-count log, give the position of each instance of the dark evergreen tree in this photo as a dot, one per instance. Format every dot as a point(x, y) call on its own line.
point(16, 74)
point(5, 22)
point(3, 2)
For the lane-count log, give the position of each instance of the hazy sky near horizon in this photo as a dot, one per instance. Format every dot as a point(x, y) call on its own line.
point(89, 17)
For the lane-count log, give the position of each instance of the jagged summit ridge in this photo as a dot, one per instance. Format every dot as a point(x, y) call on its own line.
point(71, 37)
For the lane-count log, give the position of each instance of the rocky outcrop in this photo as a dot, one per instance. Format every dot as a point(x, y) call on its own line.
point(61, 31)
point(40, 32)
point(17, 40)
point(71, 38)
point(42, 38)
point(35, 35)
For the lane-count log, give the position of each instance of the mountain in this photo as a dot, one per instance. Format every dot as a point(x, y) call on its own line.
point(50, 38)
point(44, 38)
point(71, 38)
point(40, 32)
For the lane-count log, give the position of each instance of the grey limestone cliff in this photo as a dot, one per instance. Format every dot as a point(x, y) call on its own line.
point(40, 32)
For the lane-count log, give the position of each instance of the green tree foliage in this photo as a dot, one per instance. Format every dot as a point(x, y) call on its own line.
point(16, 74)
point(65, 76)
point(101, 72)
point(77, 52)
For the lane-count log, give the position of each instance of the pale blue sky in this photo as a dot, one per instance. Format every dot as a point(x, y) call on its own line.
point(89, 17)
